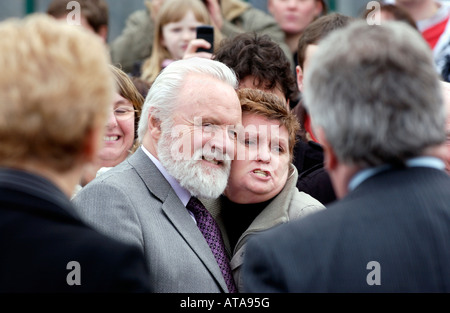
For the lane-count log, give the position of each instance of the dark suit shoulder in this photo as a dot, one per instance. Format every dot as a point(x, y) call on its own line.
point(397, 215)
point(48, 248)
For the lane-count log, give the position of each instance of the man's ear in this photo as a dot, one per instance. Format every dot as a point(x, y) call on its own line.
point(299, 72)
point(330, 159)
point(154, 127)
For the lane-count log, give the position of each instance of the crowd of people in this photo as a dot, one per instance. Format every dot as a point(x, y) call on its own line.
point(309, 152)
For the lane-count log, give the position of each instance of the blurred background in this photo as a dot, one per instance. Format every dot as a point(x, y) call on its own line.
point(121, 9)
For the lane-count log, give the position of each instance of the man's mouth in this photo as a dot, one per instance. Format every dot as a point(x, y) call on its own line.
point(212, 161)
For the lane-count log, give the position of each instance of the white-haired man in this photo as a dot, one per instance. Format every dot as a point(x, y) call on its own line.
point(187, 131)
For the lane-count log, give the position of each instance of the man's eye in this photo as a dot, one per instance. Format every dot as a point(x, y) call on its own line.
point(232, 134)
point(208, 127)
point(249, 142)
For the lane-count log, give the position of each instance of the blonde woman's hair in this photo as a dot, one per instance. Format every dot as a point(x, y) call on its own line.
point(55, 90)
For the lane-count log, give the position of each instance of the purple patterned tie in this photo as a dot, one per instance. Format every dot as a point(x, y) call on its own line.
point(212, 234)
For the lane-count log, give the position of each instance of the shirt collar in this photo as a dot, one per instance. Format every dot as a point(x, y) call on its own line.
point(425, 161)
point(181, 192)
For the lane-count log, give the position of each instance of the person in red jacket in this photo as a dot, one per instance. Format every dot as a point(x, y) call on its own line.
point(432, 20)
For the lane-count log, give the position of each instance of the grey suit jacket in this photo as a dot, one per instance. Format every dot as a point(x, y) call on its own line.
point(133, 202)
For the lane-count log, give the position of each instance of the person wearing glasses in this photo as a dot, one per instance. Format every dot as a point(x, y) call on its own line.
point(120, 139)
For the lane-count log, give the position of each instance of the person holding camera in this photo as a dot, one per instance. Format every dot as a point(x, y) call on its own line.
point(231, 17)
point(175, 27)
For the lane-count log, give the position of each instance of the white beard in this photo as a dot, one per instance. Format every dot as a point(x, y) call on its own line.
point(200, 181)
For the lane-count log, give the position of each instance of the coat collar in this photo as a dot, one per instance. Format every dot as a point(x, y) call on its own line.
point(39, 187)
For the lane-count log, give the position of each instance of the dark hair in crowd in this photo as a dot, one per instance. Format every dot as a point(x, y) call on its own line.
point(318, 29)
point(259, 56)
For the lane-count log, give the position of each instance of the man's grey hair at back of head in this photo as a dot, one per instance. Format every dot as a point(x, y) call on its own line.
point(163, 95)
point(375, 93)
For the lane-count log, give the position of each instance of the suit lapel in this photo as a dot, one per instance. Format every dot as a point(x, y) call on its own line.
point(176, 212)
point(150, 174)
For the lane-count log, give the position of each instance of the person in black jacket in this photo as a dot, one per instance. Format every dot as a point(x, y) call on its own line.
point(313, 178)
